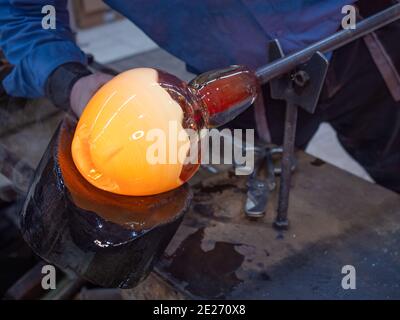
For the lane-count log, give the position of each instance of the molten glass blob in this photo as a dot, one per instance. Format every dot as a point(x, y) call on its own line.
point(133, 138)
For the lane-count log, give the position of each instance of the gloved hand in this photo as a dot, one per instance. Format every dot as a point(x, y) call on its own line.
point(71, 85)
point(85, 88)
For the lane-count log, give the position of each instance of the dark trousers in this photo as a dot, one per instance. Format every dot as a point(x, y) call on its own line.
point(361, 110)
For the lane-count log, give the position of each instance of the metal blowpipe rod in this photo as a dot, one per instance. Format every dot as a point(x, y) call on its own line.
point(335, 41)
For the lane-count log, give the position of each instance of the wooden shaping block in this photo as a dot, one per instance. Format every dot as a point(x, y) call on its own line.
point(108, 239)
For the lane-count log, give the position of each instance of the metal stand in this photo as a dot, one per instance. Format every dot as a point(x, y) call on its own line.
point(299, 88)
point(281, 221)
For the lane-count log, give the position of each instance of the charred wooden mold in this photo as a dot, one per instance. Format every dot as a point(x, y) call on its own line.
point(108, 239)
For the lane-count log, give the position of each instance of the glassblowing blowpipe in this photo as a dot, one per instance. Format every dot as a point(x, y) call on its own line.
point(127, 128)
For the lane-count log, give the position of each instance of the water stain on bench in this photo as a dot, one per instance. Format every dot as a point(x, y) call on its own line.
point(318, 162)
point(208, 274)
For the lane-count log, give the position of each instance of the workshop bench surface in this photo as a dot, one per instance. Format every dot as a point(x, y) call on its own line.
point(336, 219)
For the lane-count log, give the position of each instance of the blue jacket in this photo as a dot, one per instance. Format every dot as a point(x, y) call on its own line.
point(206, 34)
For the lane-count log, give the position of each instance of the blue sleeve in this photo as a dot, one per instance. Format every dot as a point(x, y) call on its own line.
point(33, 51)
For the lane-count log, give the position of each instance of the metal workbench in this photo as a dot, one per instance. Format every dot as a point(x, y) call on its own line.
point(337, 219)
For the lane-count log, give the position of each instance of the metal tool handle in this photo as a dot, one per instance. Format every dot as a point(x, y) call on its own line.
point(337, 40)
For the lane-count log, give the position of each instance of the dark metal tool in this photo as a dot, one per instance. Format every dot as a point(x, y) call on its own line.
point(298, 79)
point(258, 188)
point(288, 63)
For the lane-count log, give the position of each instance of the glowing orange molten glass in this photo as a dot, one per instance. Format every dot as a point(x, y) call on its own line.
point(131, 137)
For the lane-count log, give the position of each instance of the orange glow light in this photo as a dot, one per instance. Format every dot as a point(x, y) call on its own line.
point(110, 143)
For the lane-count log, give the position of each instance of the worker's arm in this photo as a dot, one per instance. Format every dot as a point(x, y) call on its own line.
point(46, 61)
